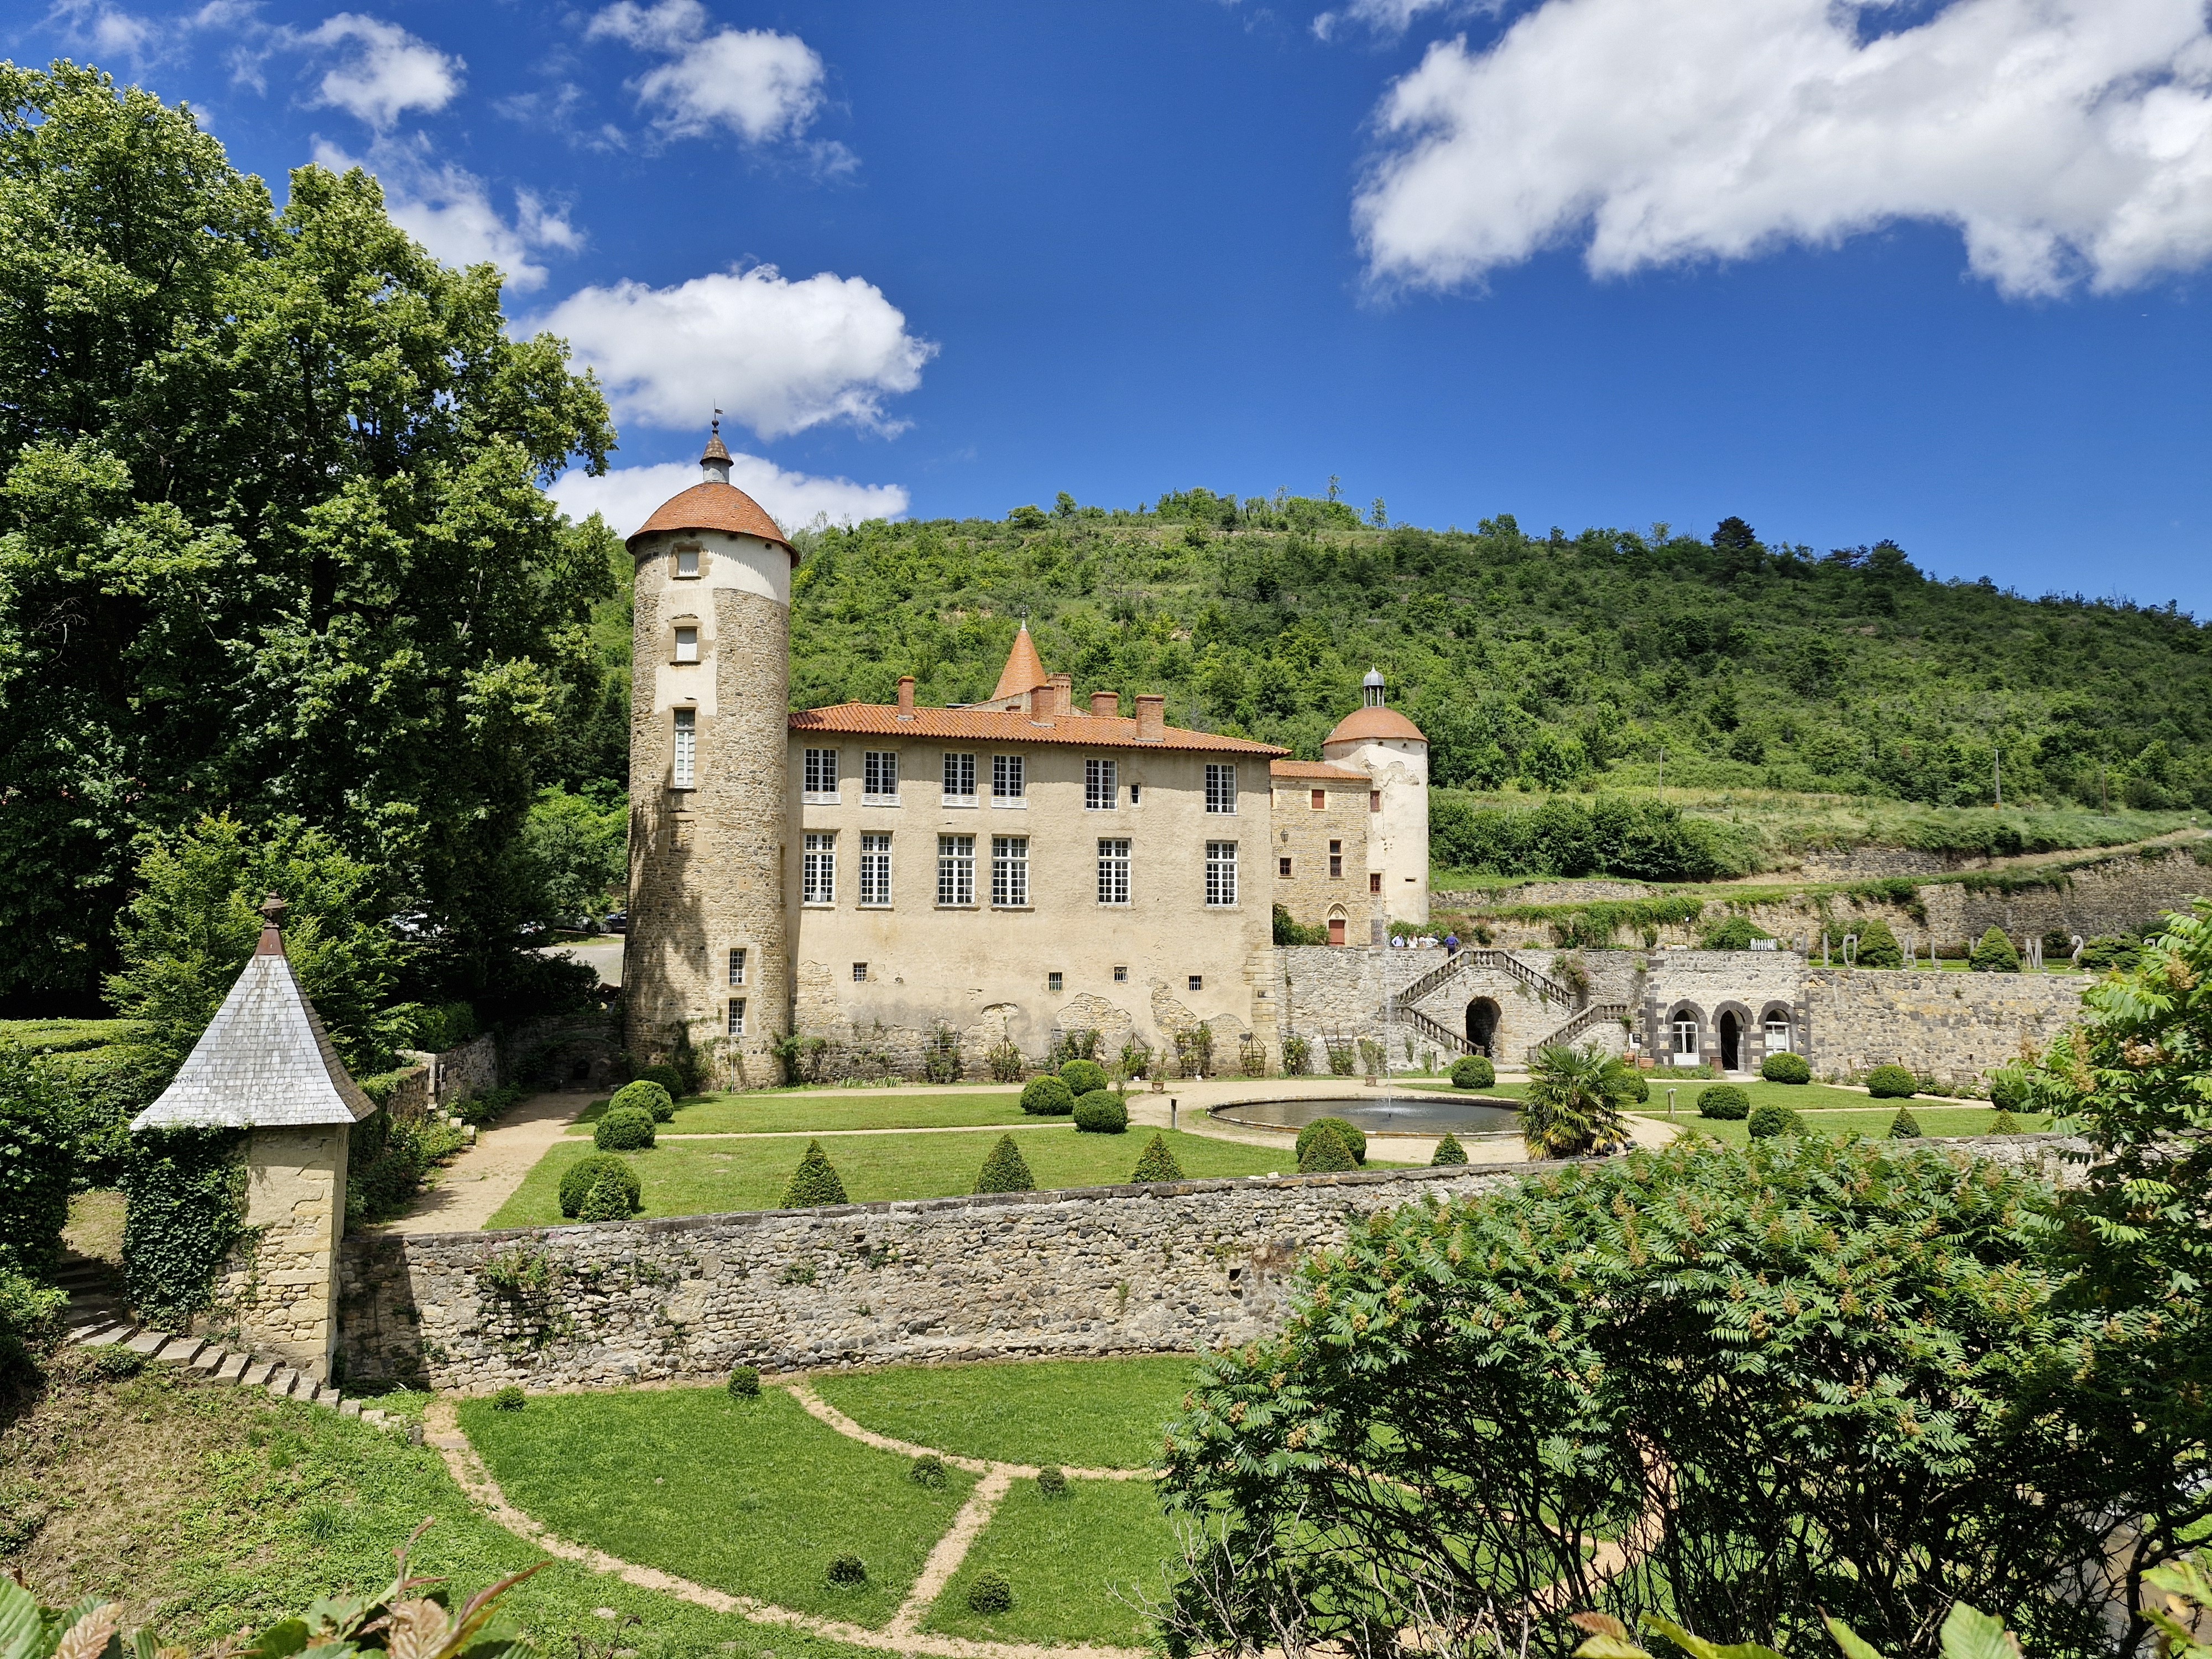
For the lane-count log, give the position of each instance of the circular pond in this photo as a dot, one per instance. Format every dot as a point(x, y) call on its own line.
point(1382, 1114)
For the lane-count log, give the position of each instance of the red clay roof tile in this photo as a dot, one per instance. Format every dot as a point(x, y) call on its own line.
point(713, 505)
point(994, 726)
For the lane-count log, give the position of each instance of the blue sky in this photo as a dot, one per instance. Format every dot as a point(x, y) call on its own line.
point(1927, 271)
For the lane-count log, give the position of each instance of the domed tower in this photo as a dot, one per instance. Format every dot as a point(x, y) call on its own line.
point(1377, 739)
point(707, 959)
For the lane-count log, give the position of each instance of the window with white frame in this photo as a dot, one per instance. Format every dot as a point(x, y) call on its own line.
point(1009, 870)
point(875, 868)
point(1102, 785)
point(1220, 873)
point(737, 1016)
point(1778, 1034)
point(684, 768)
point(955, 870)
point(1221, 788)
point(879, 777)
point(1113, 872)
point(818, 874)
point(1686, 1038)
point(959, 780)
point(818, 780)
point(738, 964)
point(687, 642)
point(1007, 779)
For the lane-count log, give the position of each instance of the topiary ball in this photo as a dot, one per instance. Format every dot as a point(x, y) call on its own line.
point(1770, 1121)
point(847, 1570)
point(1101, 1112)
point(1048, 1097)
point(1890, 1083)
point(1354, 1141)
point(1638, 1086)
point(1785, 1068)
point(608, 1201)
point(666, 1075)
point(508, 1398)
point(989, 1592)
point(2008, 1089)
point(1473, 1072)
point(744, 1383)
point(1326, 1152)
point(1051, 1483)
point(644, 1095)
point(626, 1130)
point(1905, 1125)
point(1083, 1077)
point(1723, 1100)
point(1449, 1151)
point(586, 1172)
point(927, 1470)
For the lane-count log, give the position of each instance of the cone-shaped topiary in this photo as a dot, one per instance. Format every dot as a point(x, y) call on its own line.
point(814, 1182)
point(645, 1095)
point(623, 1129)
point(1005, 1170)
point(1048, 1097)
point(1994, 955)
point(1158, 1164)
point(2004, 1123)
point(609, 1201)
point(1449, 1151)
point(1326, 1152)
point(1878, 947)
point(1354, 1141)
point(1891, 1082)
point(1083, 1077)
point(585, 1173)
point(1907, 1128)
point(1473, 1072)
point(1101, 1112)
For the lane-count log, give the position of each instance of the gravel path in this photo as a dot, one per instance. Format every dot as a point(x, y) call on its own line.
point(470, 1189)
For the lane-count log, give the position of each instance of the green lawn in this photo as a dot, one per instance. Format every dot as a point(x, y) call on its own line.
point(753, 1114)
point(704, 1177)
point(1797, 1095)
point(1094, 1414)
point(1872, 1122)
point(752, 1497)
point(1064, 1557)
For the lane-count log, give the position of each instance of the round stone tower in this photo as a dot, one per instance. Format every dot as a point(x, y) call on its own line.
point(1377, 739)
point(707, 960)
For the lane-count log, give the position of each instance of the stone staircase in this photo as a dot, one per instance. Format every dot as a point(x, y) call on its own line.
point(1482, 956)
point(1595, 1014)
point(97, 1318)
point(1399, 1007)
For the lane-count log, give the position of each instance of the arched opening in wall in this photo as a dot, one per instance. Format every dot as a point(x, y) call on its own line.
point(1336, 920)
point(1731, 1043)
point(1777, 1031)
point(1685, 1045)
point(1482, 1018)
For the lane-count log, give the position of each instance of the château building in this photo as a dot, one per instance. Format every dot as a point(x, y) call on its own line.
point(892, 873)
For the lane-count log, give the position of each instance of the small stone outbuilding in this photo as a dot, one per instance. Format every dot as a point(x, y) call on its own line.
point(265, 1064)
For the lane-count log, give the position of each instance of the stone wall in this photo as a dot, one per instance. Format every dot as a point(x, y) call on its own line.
point(1948, 1025)
point(1299, 860)
point(280, 1290)
point(563, 1051)
point(1196, 1265)
point(1708, 988)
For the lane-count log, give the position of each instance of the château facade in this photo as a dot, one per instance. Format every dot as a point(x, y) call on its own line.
point(1031, 863)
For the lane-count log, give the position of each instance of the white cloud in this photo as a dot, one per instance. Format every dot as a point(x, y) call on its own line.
point(449, 211)
point(2066, 139)
point(383, 71)
point(760, 85)
point(627, 495)
point(779, 356)
point(1391, 17)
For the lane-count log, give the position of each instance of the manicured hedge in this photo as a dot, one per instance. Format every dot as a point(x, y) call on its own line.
point(1101, 1112)
point(1723, 1100)
point(1354, 1141)
point(1005, 1170)
point(1785, 1068)
point(623, 1129)
point(1083, 1077)
point(585, 1173)
point(1891, 1082)
point(1473, 1072)
point(1048, 1097)
point(1769, 1121)
point(646, 1096)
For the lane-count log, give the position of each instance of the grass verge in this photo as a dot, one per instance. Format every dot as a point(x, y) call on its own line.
point(1064, 1558)
point(202, 1507)
point(753, 1497)
point(1084, 1414)
point(707, 1177)
point(1873, 1122)
point(785, 1114)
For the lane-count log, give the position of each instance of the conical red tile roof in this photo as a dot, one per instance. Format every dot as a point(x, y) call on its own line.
point(1024, 669)
point(713, 506)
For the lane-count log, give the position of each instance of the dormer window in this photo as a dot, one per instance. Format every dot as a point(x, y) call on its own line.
point(687, 642)
point(687, 562)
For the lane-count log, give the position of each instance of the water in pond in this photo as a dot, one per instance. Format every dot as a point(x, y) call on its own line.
point(1382, 1114)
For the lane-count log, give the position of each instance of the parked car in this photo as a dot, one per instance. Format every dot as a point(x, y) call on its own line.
point(412, 924)
point(618, 922)
point(533, 932)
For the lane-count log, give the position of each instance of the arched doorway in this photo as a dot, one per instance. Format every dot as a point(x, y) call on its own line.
point(1336, 920)
point(1482, 1018)
point(1731, 1043)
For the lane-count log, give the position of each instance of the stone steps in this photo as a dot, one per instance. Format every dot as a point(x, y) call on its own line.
point(95, 1318)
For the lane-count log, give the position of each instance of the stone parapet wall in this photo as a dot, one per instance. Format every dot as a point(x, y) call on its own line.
point(1949, 1025)
point(1111, 1270)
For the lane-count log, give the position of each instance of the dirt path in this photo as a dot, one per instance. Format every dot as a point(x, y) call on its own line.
point(442, 1429)
point(470, 1189)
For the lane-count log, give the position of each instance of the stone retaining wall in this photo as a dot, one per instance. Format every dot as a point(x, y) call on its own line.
point(1105, 1270)
point(1947, 1024)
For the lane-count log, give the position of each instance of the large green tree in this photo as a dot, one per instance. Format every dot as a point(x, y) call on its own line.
point(273, 539)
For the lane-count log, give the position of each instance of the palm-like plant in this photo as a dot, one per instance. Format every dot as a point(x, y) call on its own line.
point(1574, 1101)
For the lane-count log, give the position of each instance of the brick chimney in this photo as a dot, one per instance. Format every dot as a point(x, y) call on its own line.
point(1038, 701)
point(906, 695)
point(1063, 694)
point(1105, 704)
point(1152, 717)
